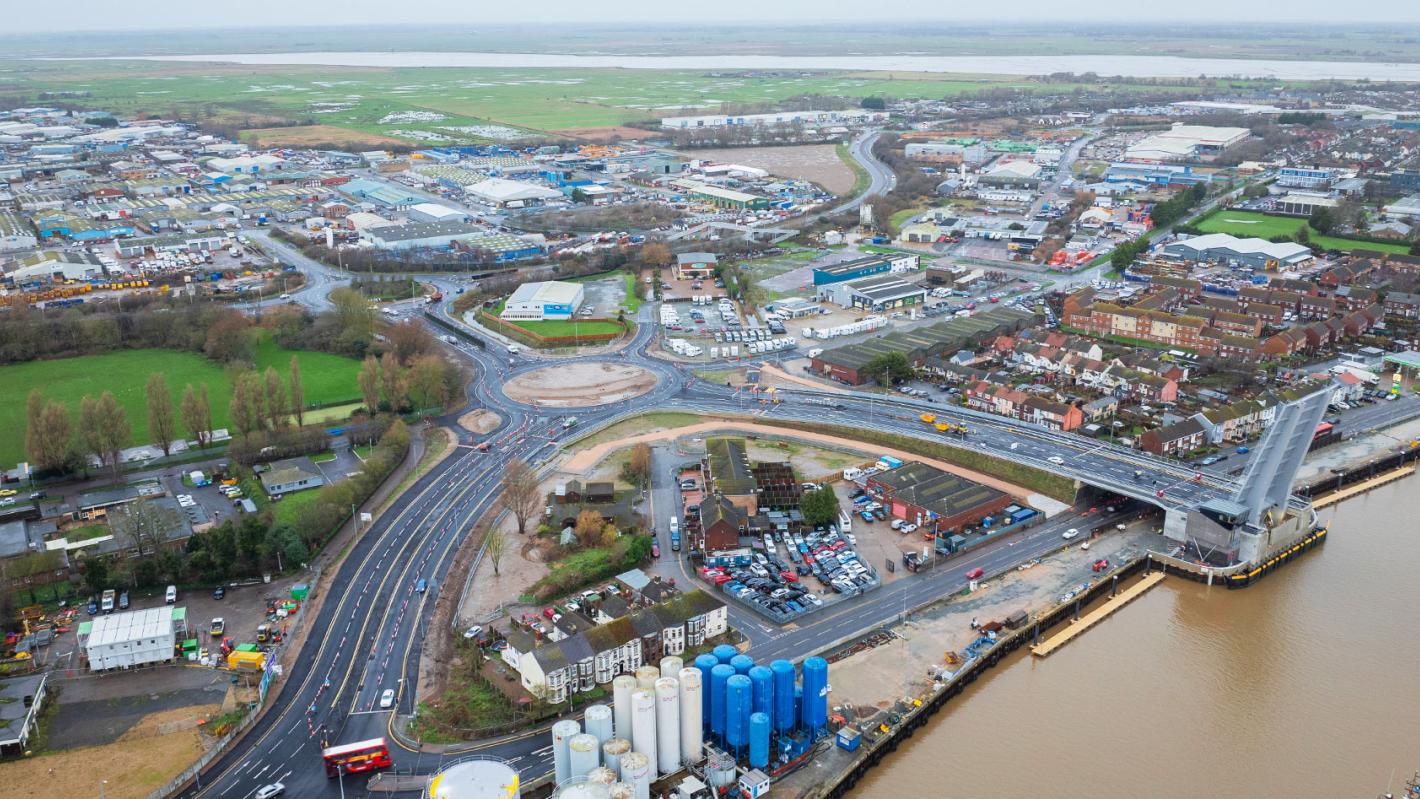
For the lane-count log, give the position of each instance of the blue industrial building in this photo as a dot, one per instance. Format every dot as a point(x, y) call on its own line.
point(851, 270)
point(1154, 174)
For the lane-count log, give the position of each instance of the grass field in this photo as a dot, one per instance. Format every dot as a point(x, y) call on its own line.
point(1267, 226)
point(325, 378)
point(559, 327)
point(321, 101)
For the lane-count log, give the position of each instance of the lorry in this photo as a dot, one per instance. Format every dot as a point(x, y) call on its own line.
point(675, 534)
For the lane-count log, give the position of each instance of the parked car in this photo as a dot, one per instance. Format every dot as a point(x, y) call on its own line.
point(219, 592)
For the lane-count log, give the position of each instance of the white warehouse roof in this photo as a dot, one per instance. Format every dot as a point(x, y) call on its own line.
point(499, 190)
point(553, 291)
point(1280, 251)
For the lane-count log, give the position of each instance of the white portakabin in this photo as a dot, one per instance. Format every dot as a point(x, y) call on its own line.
point(691, 732)
point(668, 724)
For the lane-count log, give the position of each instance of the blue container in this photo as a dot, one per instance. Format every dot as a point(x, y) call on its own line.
point(762, 679)
point(783, 695)
point(705, 663)
point(739, 701)
point(758, 740)
point(718, 677)
point(724, 652)
point(742, 663)
point(815, 711)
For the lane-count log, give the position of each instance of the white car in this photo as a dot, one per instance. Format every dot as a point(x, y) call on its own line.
point(1069, 534)
point(473, 632)
point(268, 791)
point(1057, 460)
point(387, 699)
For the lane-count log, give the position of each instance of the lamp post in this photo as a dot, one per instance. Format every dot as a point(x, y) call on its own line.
point(102, 783)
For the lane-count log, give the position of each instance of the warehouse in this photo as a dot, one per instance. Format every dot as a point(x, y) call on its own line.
point(1253, 252)
point(510, 193)
point(553, 299)
point(504, 248)
point(877, 293)
point(851, 270)
point(936, 500)
point(722, 198)
point(137, 248)
point(382, 194)
point(126, 640)
point(420, 234)
point(15, 235)
point(433, 212)
point(1303, 203)
point(1185, 142)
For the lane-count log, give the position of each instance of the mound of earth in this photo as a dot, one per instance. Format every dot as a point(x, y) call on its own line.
point(579, 385)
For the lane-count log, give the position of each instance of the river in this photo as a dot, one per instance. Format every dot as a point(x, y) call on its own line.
point(1107, 65)
point(1304, 685)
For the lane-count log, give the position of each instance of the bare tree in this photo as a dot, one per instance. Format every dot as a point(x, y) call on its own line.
point(103, 429)
point(190, 409)
point(298, 394)
point(162, 426)
point(47, 432)
point(521, 493)
point(143, 524)
point(495, 545)
point(275, 400)
point(370, 384)
point(392, 381)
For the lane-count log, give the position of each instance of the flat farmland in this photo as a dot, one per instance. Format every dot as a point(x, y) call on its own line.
point(818, 163)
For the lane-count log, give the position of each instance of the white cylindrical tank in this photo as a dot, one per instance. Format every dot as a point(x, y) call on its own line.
point(671, 666)
point(602, 775)
point(475, 779)
point(581, 789)
point(584, 753)
point(636, 770)
point(691, 730)
point(643, 725)
point(598, 722)
point(612, 751)
point(621, 687)
point(622, 790)
point(668, 725)
point(561, 732)
point(646, 677)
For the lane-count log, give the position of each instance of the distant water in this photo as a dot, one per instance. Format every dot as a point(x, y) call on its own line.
point(1104, 65)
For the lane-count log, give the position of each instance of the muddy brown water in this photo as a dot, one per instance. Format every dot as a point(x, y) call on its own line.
point(1304, 685)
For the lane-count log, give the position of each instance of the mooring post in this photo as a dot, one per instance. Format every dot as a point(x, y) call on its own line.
point(1114, 586)
point(1077, 609)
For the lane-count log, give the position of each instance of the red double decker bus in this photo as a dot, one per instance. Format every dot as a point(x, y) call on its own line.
point(353, 758)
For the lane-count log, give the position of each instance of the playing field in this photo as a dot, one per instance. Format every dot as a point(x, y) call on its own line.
point(1266, 226)
point(325, 378)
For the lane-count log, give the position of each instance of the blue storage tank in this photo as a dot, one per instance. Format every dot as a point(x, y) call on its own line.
point(758, 740)
point(739, 701)
point(762, 679)
point(724, 652)
point(783, 695)
point(815, 710)
point(742, 663)
point(718, 677)
point(705, 663)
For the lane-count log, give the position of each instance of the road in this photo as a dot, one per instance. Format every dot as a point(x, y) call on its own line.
point(881, 179)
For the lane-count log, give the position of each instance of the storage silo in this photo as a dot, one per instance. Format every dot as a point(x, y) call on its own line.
point(598, 722)
point(738, 701)
point(783, 695)
point(584, 753)
point(621, 687)
point(742, 663)
point(612, 751)
point(601, 775)
point(485, 778)
point(622, 790)
point(636, 770)
point(718, 676)
point(671, 665)
point(561, 732)
point(724, 652)
point(705, 663)
point(581, 789)
point(668, 725)
point(762, 680)
point(646, 677)
point(643, 724)
point(758, 740)
point(815, 710)
point(692, 730)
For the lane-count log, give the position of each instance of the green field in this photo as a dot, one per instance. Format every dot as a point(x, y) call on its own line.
point(559, 327)
point(361, 99)
point(1267, 226)
point(326, 378)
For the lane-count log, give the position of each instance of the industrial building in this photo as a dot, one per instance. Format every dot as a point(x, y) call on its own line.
point(135, 638)
point(855, 268)
point(479, 777)
point(1304, 203)
point(510, 193)
point(720, 197)
point(1186, 142)
point(15, 235)
point(875, 293)
point(851, 116)
point(934, 499)
point(21, 699)
point(1254, 252)
point(416, 235)
point(690, 265)
point(433, 212)
point(552, 299)
point(381, 194)
point(847, 363)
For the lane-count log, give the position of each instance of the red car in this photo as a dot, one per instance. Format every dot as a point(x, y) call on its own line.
point(975, 574)
point(1101, 564)
point(547, 612)
point(790, 576)
point(721, 579)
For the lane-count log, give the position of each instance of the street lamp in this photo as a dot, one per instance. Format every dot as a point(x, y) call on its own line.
point(102, 783)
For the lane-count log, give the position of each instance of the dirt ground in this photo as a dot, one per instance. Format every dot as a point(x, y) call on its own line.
point(580, 385)
point(607, 133)
point(877, 677)
point(814, 162)
point(307, 135)
point(154, 751)
point(480, 421)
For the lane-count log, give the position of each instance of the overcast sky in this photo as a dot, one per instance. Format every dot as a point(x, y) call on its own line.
point(25, 16)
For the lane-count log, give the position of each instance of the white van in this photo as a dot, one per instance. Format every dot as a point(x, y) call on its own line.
point(171, 596)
